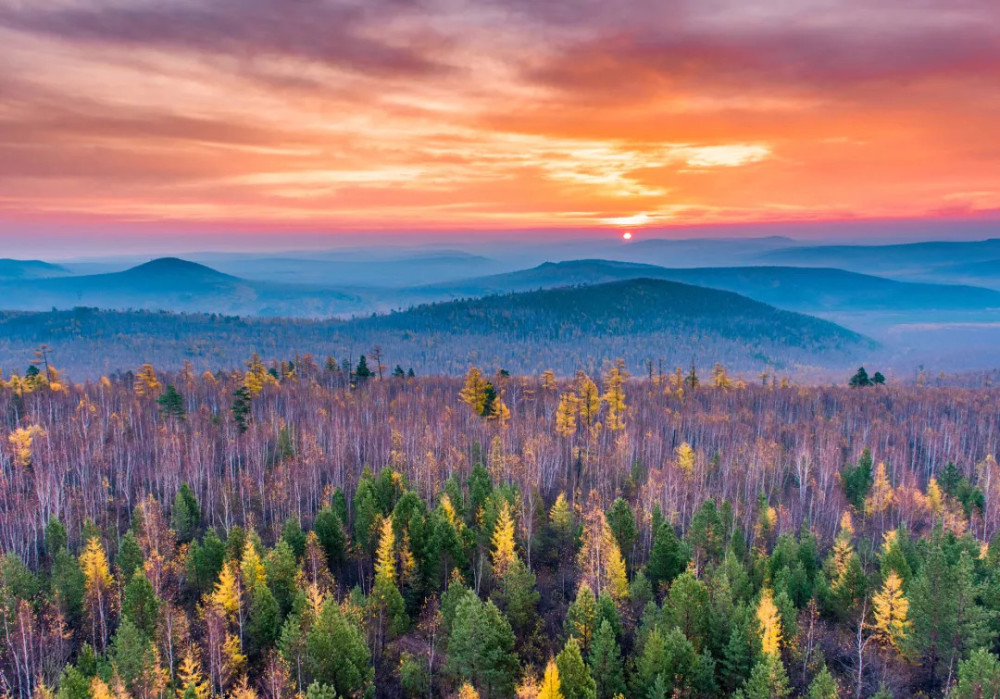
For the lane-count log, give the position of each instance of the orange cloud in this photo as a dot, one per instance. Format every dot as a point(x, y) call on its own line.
point(338, 114)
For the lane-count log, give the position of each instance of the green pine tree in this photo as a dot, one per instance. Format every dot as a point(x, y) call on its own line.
point(605, 662)
point(574, 677)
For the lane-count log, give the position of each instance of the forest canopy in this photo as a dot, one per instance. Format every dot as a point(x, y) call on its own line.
point(303, 528)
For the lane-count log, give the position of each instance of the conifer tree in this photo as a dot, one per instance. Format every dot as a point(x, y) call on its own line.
point(551, 687)
point(769, 623)
point(390, 609)
point(614, 396)
point(978, 676)
point(669, 556)
point(566, 413)
point(192, 684)
point(574, 677)
point(605, 662)
point(600, 560)
point(768, 680)
point(823, 686)
point(891, 609)
point(97, 587)
point(504, 553)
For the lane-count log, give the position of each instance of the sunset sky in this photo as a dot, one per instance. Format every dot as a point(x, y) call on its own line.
point(440, 115)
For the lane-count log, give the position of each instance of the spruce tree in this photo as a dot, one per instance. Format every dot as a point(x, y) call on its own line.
point(574, 676)
point(605, 662)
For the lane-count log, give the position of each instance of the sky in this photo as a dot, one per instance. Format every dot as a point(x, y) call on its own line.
point(201, 119)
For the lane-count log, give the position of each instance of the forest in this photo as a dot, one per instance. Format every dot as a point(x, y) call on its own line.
point(324, 529)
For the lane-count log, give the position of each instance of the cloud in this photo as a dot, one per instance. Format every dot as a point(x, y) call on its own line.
point(495, 112)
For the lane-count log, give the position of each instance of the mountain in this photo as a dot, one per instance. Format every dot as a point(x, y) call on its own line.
point(804, 289)
point(29, 269)
point(681, 252)
point(639, 320)
point(176, 285)
point(354, 268)
point(915, 260)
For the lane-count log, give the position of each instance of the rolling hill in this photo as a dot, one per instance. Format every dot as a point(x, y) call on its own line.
point(561, 329)
point(804, 289)
point(176, 285)
point(29, 269)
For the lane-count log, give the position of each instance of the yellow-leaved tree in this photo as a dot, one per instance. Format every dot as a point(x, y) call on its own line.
point(474, 392)
point(243, 690)
point(600, 560)
point(252, 567)
point(191, 683)
point(719, 377)
point(685, 459)
point(551, 688)
point(257, 376)
point(569, 404)
point(21, 440)
point(589, 404)
point(770, 623)
point(504, 552)
point(549, 380)
point(227, 594)
point(614, 396)
point(99, 689)
point(891, 610)
point(935, 499)
point(146, 384)
point(882, 495)
point(467, 691)
point(385, 557)
point(97, 591)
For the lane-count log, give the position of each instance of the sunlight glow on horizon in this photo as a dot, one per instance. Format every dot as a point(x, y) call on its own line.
point(504, 115)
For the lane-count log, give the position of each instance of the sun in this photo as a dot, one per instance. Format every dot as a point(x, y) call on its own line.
point(627, 235)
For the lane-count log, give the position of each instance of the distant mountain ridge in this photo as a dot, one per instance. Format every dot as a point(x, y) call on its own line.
point(798, 288)
point(176, 285)
point(922, 260)
point(29, 269)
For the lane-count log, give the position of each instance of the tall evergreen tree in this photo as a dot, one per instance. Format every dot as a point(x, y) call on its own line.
point(481, 647)
point(605, 662)
point(574, 676)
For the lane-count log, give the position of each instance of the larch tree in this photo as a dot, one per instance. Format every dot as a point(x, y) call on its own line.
point(882, 496)
point(97, 590)
point(504, 551)
point(473, 392)
point(390, 609)
point(769, 623)
point(589, 404)
point(192, 684)
point(550, 688)
point(719, 377)
point(549, 382)
point(891, 608)
point(684, 458)
point(566, 413)
point(21, 440)
point(600, 559)
point(146, 383)
point(614, 396)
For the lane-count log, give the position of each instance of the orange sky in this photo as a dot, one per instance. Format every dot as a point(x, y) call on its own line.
point(491, 114)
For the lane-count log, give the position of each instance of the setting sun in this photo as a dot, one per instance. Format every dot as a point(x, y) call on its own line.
point(627, 235)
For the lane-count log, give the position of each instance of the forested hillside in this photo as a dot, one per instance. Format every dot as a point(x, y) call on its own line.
point(640, 320)
point(306, 527)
